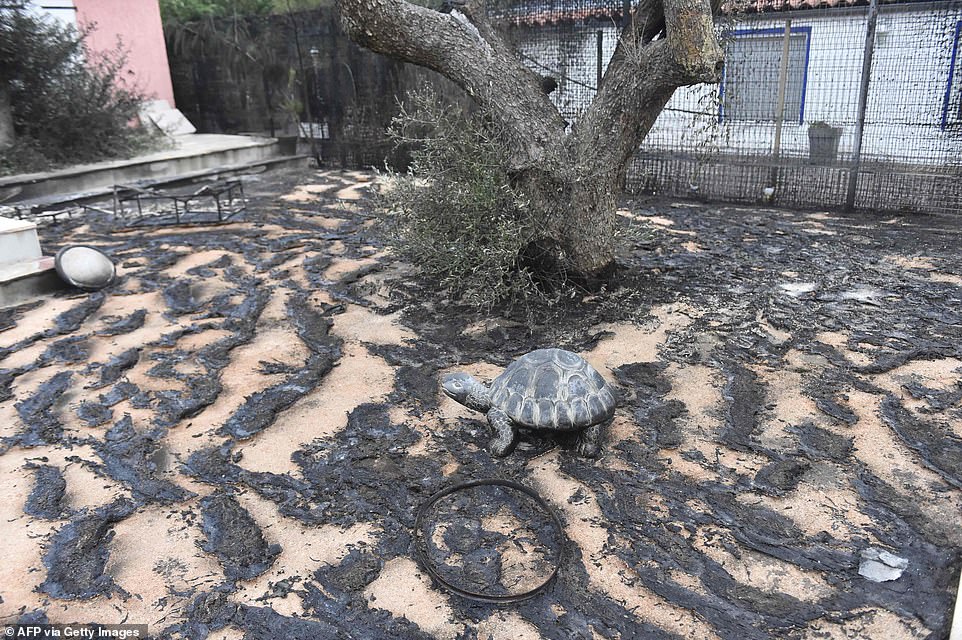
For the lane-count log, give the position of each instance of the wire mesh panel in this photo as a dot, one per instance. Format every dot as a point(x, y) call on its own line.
point(291, 75)
point(753, 70)
point(823, 103)
point(818, 107)
point(568, 41)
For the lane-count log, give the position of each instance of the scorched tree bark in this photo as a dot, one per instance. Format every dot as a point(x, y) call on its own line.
point(572, 176)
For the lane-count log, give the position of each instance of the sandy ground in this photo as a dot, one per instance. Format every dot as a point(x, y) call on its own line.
point(662, 529)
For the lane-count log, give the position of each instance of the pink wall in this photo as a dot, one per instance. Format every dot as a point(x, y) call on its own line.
point(137, 23)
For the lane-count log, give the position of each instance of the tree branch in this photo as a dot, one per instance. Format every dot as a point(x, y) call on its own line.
point(463, 46)
point(690, 27)
point(643, 75)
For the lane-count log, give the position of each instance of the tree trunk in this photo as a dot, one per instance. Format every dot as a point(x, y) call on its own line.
point(573, 177)
point(575, 217)
point(7, 134)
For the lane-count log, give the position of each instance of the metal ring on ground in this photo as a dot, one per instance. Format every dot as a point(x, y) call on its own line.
point(420, 545)
point(87, 268)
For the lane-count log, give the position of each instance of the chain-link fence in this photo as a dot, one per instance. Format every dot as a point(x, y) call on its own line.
point(295, 76)
point(847, 104)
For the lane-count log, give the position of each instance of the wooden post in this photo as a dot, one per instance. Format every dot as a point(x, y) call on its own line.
point(780, 101)
point(862, 103)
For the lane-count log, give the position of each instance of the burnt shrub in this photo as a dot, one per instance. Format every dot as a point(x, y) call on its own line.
point(453, 213)
point(68, 104)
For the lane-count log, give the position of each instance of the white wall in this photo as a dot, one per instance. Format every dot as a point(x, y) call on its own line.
point(904, 109)
point(569, 54)
point(62, 10)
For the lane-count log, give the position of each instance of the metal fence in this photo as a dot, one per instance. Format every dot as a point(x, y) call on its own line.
point(296, 76)
point(850, 104)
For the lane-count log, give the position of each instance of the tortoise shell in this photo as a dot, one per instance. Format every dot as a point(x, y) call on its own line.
point(553, 389)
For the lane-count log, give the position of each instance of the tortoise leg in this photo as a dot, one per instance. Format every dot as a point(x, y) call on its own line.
point(589, 442)
point(506, 433)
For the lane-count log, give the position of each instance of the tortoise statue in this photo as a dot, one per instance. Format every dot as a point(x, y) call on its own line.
point(547, 389)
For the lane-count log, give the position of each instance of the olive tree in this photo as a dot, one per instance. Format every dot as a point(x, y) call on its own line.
point(571, 176)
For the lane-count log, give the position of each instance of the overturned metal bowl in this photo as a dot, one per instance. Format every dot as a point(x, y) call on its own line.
point(85, 267)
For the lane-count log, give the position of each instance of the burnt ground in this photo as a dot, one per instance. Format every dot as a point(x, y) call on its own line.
point(235, 438)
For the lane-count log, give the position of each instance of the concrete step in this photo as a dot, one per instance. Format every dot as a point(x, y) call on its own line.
point(24, 271)
point(189, 154)
point(26, 281)
point(18, 241)
point(34, 208)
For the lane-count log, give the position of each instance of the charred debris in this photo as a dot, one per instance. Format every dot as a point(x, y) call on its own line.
point(736, 277)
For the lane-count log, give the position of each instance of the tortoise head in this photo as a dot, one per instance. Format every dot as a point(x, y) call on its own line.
point(462, 388)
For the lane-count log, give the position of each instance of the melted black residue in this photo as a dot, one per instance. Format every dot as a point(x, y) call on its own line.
point(745, 399)
point(935, 443)
point(94, 414)
point(42, 426)
point(261, 408)
point(234, 537)
point(120, 326)
point(115, 368)
point(78, 553)
point(129, 457)
point(10, 315)
point(660, 523)
point(70, 350)
point(47, 496)
point(657, 418)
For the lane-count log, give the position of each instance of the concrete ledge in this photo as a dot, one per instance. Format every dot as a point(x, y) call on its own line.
point(35, 207)
point(191, 153)
point(26, 281)
point(18, 241)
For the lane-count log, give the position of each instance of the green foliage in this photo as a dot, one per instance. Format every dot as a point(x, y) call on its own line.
point(69, 104)
point(24, 156)
point(453, 214)
point(192, 10)
point(238, 39)
point(183, 11)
